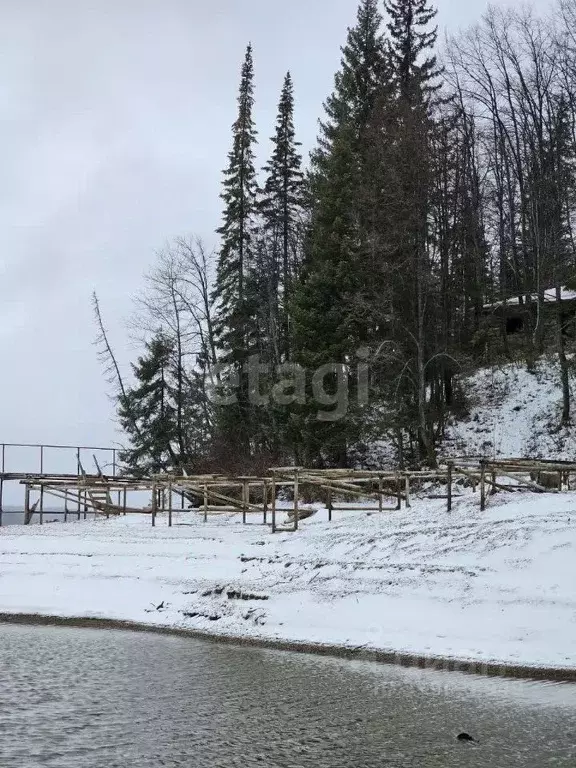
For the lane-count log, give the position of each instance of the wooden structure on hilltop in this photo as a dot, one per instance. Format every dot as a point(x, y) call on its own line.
point(518, 314)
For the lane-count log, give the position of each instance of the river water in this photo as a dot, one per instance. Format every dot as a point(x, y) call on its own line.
point(109, 699)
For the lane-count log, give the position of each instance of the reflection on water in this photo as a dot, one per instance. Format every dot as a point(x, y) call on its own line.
point(108, 699)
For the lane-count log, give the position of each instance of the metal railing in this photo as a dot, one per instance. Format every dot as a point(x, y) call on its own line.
point(38, 463)
point(43, 447)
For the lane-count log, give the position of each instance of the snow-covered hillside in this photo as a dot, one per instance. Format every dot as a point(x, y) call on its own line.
point(513, 413)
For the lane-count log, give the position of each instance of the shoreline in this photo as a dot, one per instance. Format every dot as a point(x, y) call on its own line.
point(493, 669)
point(486, 594)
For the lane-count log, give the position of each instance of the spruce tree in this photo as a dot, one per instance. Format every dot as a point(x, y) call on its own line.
point(281, 206)
point(412, 41)
point(356, 84)
point(327, 326)
point(402, 144)
point(147, 412)
point(239, 223)
point(235, 291)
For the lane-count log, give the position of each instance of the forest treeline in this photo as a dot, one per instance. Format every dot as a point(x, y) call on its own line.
point(348, 292)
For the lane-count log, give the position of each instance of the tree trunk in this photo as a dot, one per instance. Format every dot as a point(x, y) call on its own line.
point(564, 371)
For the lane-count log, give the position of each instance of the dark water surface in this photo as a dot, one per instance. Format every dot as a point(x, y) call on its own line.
point(109, 699)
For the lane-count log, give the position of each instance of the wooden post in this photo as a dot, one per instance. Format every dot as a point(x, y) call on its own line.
point(154, 504)
point(265, 508)
point(380, 495)
point(41, 508)
point(245, 499)
point(65, 505)
point(27, 506)
point(273, 502)
point(407, 488)
point(398, 491)
point(296, 504)
point(450, 468)
point(482, 486)
point(329, 505)
point(124, 499)
point(170, 505)
point(206, 503)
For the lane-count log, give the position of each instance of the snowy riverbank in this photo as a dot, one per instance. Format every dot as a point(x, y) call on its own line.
point(493, 586)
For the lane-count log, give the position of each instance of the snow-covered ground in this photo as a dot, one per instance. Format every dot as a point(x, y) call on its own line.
point(497, 585)
point(513, 413)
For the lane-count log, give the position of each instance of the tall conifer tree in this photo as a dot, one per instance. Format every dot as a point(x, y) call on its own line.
point(239, 222)
point(234, 279)
point(412, 42)
point(403, 166)
point(327, 329)
point(282, 206)
point(356, 84)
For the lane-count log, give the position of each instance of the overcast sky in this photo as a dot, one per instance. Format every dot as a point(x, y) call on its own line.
point(116, 120)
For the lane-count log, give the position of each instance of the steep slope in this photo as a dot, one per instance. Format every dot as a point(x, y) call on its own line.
point(513, 413)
